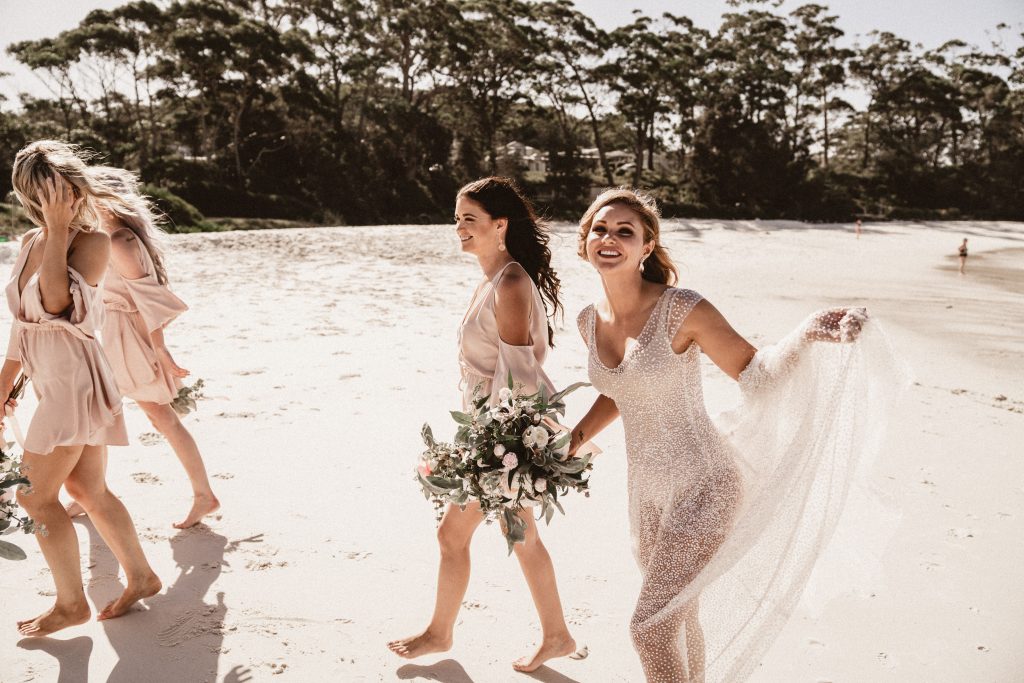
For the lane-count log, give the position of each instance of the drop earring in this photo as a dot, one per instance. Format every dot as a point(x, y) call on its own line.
point(642, 262)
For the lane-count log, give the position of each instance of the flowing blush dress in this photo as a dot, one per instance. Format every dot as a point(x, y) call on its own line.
point(728, 516)
point(79, 402)
point(135, 308)
point(486, 361)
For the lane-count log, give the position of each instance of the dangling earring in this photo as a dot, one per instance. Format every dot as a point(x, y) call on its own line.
point(642, 262)
point(501, 245)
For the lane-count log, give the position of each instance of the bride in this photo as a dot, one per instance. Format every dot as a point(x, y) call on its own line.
point(726, 519)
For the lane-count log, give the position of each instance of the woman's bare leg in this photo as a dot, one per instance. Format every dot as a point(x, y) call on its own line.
point(454, 536)
point(88, 486)
point(60, 542)
point(167, 422)
point(680, 548)
point(540, 576)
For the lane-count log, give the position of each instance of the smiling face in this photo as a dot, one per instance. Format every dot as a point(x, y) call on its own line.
point(615, 242)
point(478, 232)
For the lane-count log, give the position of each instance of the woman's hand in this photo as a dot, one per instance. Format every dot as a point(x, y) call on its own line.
point(59, 206)
point(837, 325)
point(168, 364)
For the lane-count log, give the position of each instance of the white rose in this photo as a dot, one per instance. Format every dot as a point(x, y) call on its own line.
point(541, 484)
point(536, 418)
point(504, 394)
point(536, 437)
point(510, 461)
point(499, 450)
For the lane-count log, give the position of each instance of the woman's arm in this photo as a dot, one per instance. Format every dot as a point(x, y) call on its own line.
point(513, 306)
point(601, 414)
point(59, 208)
point(709, 329)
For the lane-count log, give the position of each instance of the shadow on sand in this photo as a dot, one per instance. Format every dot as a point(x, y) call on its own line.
point(450, 671)
point(174, 636)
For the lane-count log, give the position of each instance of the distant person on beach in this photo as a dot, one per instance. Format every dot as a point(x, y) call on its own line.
point(139, 306)
point(505, 331)
point(726, 522)
point(54, 296)
point(963, 255)
point(857, 228)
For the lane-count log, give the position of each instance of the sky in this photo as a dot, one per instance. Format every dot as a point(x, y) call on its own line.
point(929, 22)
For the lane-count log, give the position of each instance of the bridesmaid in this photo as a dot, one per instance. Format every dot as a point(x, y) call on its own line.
point(54, 297)
point(139, 305)
point(726, 523)
point(504, 330)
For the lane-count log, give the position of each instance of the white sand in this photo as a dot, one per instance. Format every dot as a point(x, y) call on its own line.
point(325, 350)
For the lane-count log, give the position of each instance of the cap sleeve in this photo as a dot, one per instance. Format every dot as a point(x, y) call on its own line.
point(156, 303)
point(583, 322)
point(527, 373)
point(680, 303)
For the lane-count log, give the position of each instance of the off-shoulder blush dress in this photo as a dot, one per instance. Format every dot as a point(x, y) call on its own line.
point(79, 402)
point(486, 360)
point(135, 308)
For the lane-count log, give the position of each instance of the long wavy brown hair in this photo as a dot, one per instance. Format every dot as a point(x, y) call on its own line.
point(526, 238)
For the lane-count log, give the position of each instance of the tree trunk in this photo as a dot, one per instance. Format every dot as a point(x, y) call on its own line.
point(598, 141)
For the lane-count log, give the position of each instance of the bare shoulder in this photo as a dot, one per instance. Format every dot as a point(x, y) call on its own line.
point(93, 243)
point(27, 237)
point(515, 284)
point(123, 242)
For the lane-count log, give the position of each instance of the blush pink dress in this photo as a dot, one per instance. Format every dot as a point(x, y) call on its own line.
point(486, 360)
point(78, 398)
point(135, 308)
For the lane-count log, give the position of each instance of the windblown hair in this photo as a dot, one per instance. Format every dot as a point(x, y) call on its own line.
point(44, 160)
point(526, 237)
point(114, 188)
point(658, 267)
point(135, 210)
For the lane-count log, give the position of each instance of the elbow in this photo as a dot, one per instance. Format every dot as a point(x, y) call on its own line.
point(56, 307)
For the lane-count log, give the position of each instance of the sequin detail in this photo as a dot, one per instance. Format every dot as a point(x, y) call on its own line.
point(727, 517)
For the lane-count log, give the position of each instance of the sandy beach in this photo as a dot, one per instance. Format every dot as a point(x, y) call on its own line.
point(325, 350)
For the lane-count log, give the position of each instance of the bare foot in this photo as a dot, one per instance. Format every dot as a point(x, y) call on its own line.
point(135, 591)
point(202, 505)
point(54, 619)
point(417, 646)
point(74, 509)
point(549, 649)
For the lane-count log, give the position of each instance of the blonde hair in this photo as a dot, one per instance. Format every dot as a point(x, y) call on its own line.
point(658, 267)
point(115, 188)
point(44, 160)
point(135, 210)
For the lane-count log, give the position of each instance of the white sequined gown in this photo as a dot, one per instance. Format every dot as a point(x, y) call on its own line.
point(735, 515)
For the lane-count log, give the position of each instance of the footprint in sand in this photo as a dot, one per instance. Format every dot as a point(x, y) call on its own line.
point(242, 414)
point(246, 373)
point(982, 648)
point(961, 533)
point(223, 475)
point(145, 478)
point(151, 438)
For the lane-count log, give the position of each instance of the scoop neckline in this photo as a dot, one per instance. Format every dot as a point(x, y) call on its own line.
point(640, 338)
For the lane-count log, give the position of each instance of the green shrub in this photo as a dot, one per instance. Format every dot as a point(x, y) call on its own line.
point(181, 216)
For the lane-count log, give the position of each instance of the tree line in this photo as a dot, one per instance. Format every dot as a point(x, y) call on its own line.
point(369, 111)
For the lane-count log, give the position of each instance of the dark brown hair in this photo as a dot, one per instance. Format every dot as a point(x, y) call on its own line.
point(526, 237)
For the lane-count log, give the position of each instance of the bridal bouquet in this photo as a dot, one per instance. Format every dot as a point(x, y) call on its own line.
point(505, 457)
point(11, 479)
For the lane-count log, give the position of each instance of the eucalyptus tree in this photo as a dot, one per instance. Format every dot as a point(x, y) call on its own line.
point(490, 63)
point(636, 73)
point(569, 75)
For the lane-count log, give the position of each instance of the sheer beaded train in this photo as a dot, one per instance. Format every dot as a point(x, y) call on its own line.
point(727, 517)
